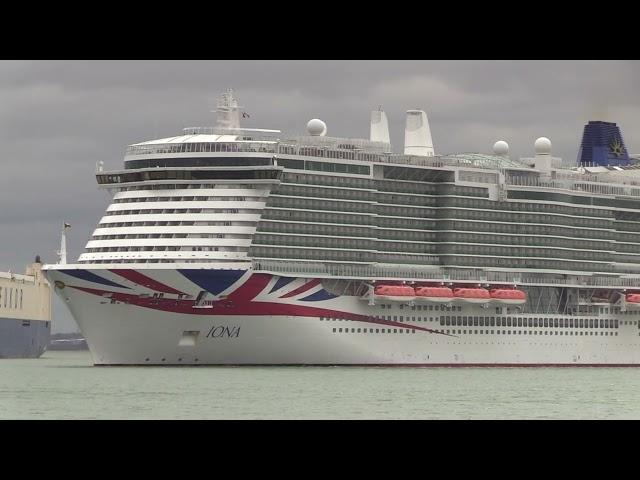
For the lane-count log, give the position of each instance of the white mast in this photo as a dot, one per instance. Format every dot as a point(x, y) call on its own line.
point(62, 254)
point(228, 111)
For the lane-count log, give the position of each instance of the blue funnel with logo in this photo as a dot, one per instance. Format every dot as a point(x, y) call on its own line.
point(602, 144)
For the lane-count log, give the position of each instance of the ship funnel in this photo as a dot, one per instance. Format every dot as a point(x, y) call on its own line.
point(602, 144)
point(417, 135)
point(379, 127)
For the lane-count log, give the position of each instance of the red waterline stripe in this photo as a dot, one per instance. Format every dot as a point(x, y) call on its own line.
point(378, 365)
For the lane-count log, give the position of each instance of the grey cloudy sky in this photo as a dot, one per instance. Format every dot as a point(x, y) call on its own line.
point(58, 118)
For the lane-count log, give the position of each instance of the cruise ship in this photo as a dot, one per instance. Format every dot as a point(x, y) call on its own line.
point(234, 246)
point(25, 313)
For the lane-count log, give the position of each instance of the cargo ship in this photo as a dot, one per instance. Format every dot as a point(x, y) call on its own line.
point(25, 313)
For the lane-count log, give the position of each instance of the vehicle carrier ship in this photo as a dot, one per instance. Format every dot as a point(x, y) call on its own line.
point(234, 246)
point(25, 313)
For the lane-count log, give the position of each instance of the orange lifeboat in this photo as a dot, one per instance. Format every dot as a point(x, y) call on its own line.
point(434, 294)
point(510, 296)
point(633, 298)
point(472, 295)
point(397, 293)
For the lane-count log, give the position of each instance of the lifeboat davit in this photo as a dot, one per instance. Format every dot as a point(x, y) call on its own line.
point(509, 296)
point(396, 293)
point(472, 295)
point(434, 294)
point(633, 298)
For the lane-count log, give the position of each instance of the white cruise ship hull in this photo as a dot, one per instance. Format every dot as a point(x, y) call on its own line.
point(151, 317)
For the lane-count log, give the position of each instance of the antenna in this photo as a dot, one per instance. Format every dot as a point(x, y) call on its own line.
point(62, 253)
point(228, 111)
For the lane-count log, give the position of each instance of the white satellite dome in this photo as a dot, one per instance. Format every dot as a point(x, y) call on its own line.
point(501, 147)
point(316, 127)
point(542, 146)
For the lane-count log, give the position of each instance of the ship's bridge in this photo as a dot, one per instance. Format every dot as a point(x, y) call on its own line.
point(209, 139)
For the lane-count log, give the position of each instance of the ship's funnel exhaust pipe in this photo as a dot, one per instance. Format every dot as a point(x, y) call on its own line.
point(417, 135)
point(379, 127)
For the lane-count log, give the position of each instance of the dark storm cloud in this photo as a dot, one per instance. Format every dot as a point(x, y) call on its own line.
point(57, 119)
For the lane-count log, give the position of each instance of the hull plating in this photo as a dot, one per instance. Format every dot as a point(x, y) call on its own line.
point(227, 317)
point(23, 338)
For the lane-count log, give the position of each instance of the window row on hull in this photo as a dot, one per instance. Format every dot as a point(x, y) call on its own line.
point(155, 205)
point(407, 216)
point(183, 186)
point(437, 200)
point(187, 175)
point(169, 211)
point(331, 167)
point(175, 231)
point(323, 241)
point(318, 254)
point(167, 256)
point(526, 229)
point(595, 200)
point(173, 200)
point(402, 223)
point(167, 248)
point(472, 261)
point(433, 236)
point(177, 219)
point(492, 216)
point(529, 322)
point(184, 162)
point(525, 263)
point(444, 213)
point(211, 190)
point(179, 242)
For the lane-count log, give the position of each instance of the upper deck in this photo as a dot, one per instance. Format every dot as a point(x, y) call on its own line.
point(208, 147)
point(232, 195)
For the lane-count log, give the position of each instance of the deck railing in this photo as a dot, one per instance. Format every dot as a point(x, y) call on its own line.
point(409, 273)
point(566, 180)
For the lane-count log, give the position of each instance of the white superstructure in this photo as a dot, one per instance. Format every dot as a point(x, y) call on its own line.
point(229, 245)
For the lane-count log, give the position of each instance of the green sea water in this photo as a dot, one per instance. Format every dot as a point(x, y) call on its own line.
point(65, 385)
